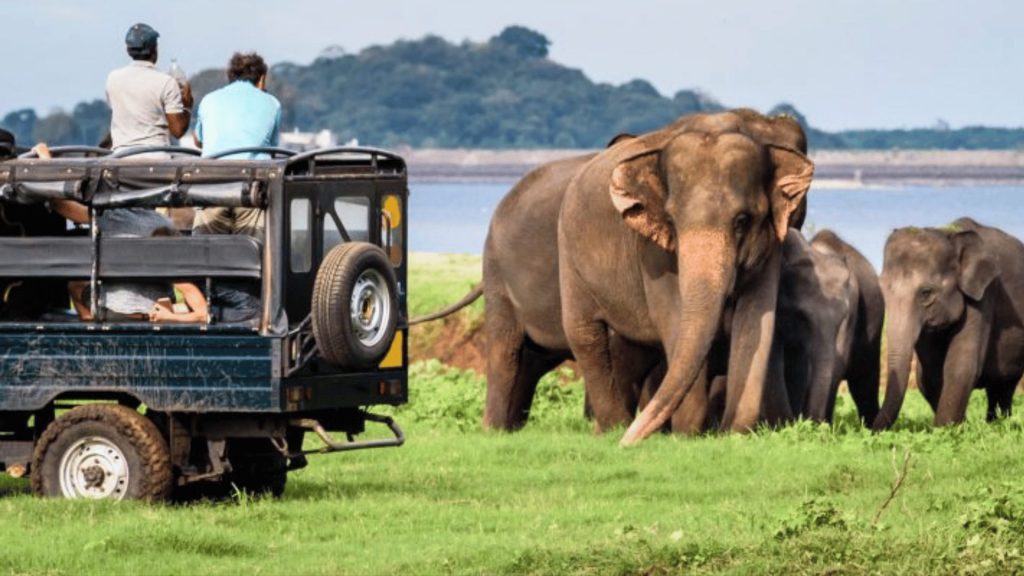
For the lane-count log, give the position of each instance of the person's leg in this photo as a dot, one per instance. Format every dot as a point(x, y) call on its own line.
point(78, 292)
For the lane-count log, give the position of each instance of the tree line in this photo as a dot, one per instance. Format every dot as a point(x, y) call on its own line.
point(502, 93)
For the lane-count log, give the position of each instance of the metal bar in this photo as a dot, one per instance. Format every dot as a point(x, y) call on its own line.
point(126, 152)
point(94, 233)
point(272, 150)
point(372, 152)
point(265, 285)
point(208, 289)
point(58, 151)
point(332, 445)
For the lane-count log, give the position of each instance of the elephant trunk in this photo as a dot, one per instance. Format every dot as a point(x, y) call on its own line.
point(901, 334)
point(705, 278)
point(820, 393)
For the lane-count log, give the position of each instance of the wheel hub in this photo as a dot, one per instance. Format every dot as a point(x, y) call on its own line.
point(369, 308)
point(94, 468)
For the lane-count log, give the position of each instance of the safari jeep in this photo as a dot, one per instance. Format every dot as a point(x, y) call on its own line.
point(116, 408)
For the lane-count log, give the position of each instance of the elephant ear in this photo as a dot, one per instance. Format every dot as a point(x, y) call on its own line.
point(638, 193)
point(790, 181)
point(977, 268)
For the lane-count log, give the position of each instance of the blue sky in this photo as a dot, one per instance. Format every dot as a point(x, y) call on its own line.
point(844, 63)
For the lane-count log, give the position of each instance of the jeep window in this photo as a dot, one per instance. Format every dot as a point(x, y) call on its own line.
point(391, 228)
point(354, 214)
point(301, 238)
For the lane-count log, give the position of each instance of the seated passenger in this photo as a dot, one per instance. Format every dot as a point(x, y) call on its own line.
point(153, 301)
point(239, 115)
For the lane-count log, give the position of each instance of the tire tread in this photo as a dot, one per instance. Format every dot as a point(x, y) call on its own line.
point(140, 432)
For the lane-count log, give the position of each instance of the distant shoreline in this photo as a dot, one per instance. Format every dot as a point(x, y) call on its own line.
point(834, 169)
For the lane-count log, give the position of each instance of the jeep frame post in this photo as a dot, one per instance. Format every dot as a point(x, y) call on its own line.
point(131, 409)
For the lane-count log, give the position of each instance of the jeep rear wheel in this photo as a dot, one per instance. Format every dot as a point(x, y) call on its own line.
point(355, 309)
point(102, 451)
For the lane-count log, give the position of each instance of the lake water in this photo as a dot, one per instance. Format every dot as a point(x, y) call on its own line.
point(454, 217)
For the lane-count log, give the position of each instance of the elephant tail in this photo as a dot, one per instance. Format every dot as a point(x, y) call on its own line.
point(468, 299)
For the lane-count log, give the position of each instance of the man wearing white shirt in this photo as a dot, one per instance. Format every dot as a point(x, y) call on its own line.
point(147, 105)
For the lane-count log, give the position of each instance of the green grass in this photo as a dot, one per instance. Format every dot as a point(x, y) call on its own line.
point(555, 499)
point(438, 280)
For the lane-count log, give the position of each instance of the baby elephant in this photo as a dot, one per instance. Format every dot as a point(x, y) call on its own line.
point(955, 296)
point(830, 312)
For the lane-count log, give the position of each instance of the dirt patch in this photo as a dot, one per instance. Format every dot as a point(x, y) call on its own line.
point(454, 341)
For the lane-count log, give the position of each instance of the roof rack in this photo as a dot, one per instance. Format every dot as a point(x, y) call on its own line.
point(376, 156)
point(127, 152)
point(273, 151)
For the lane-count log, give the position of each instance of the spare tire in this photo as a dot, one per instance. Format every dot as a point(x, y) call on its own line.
point(355, 305)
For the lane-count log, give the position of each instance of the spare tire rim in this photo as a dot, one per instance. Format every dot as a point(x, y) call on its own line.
point(94, 468)
point(370, 308)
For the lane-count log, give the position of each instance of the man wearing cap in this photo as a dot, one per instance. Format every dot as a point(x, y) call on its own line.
point(147, 106)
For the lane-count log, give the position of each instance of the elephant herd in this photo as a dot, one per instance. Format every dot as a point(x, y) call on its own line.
point(672, 268)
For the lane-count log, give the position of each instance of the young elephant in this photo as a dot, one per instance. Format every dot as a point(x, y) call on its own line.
point(955, 297)
point(829, 326)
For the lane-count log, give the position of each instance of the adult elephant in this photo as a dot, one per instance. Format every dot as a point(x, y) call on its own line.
point(522, 316)
point(657, 237)
point(955, 296)
point(829, 328)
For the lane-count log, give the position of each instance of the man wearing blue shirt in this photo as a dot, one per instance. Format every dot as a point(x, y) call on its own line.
point(239, 115)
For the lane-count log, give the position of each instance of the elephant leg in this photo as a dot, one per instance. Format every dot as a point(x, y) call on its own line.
point(632, 366)
point(1006, 397)
point(716, 402)
point(650, 385)
point(772, 411)
point(509, 389)
point(993, 403)
point(689, 418)
point(931, 357)
point(612, 402)
point(962, 368)
point(1000, 399)
point(863, 377)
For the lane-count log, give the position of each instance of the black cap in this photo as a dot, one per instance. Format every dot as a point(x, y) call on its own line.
point(7, 148)
point(141, 36)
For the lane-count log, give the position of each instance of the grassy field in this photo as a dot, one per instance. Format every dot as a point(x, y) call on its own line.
point(555, 499)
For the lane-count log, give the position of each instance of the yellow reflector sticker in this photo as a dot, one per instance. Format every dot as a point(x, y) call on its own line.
point(394, 210)
point(394, 357)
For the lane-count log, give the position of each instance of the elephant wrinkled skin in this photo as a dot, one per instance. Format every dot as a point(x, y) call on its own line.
point(522, 314)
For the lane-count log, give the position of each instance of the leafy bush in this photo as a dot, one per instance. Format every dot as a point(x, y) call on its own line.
point(813, 514)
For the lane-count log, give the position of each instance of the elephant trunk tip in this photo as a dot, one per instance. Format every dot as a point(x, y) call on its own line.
point(641, 428)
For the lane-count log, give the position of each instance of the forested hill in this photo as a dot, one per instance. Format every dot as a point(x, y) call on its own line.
point(503, 93)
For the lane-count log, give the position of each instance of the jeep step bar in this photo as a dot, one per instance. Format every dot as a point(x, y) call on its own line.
point(332, 445)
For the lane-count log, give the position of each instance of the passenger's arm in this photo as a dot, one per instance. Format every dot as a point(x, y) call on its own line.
point(69, 209)
point(177, 124)
point(72, 210)
point(194, 299)
point(177, 106)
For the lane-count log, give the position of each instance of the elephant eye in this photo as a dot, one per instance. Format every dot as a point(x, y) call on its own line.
point(926, 295)
point(741, 223)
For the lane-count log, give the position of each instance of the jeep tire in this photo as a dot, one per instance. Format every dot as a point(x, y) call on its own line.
point(354, 308)
point(102, 451)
